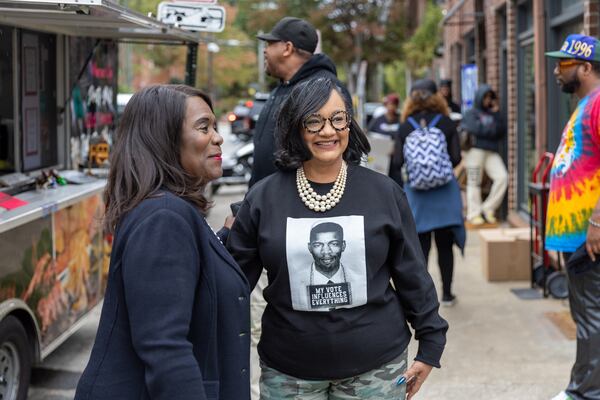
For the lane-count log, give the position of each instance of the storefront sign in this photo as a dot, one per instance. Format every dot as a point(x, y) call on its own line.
point(468, 85)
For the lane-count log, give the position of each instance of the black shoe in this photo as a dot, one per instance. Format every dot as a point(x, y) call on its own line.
point(448, 300)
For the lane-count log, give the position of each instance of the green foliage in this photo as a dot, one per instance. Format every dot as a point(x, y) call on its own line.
point(233, 68)
point(256, 15)
point(395, 77)
point(351, 30)
point(419, 50)
point(142, 6)
point(366, 29)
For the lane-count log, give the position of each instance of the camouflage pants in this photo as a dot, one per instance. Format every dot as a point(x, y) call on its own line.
point(378, 384)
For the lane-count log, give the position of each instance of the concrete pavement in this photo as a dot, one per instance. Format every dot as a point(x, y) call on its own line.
point(499, 346)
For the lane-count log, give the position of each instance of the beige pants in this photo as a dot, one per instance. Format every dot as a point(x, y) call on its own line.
point(477, 161)
point(257, 307)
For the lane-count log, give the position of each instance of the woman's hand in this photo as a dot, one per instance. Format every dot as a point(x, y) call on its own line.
point(228, 221)
point(415, 376)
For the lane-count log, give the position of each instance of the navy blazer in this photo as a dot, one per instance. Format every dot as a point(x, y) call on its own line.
point(176, 317)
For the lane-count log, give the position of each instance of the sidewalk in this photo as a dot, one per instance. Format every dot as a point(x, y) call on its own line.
point(499, 347)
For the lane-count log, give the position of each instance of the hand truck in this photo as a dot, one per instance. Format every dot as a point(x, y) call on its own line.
point(543, 274)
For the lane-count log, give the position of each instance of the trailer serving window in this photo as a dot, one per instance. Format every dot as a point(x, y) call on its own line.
point(38, 100)
point(7, 145)
point(37, 144)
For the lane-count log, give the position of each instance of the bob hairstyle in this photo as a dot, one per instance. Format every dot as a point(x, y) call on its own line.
point(147, 149)
point(420, 100)
point(307, 98)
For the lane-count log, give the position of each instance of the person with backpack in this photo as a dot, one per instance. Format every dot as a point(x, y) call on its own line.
point(426, 150)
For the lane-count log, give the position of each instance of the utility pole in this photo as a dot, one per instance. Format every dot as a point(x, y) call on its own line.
point(211, 48)
point(127, 53)
point(261, 64)
point(190, 67)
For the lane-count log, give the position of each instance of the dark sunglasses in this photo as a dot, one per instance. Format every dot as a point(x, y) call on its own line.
point(564, 64)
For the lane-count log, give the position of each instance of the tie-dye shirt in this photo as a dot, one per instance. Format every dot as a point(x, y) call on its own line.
point(575, 177)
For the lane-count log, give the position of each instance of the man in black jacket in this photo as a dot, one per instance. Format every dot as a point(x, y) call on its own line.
point(288, 57)
point(486, 126)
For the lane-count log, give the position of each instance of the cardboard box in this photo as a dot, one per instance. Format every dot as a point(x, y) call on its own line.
point(505, 254)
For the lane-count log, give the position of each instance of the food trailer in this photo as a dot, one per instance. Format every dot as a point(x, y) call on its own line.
point(58, 85)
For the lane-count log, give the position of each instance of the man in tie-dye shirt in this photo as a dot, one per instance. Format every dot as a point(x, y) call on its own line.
point(573, 218)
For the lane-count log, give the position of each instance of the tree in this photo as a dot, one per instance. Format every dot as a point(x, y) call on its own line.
point(351, 30)
point(419, 49)
point(418, 52)
point(234, 67)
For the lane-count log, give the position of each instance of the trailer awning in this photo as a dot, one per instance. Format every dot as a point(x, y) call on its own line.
point(90, 18)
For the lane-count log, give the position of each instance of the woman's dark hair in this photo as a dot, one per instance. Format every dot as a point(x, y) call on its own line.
point(307, 98)
point(146, 153)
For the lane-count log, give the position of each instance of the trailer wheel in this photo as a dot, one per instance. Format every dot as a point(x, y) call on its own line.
point(557, 285)
point(15, 360)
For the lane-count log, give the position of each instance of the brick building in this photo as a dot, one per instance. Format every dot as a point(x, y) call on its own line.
point(507, 40)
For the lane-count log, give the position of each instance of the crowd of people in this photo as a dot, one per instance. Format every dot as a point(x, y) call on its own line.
point(340, 274)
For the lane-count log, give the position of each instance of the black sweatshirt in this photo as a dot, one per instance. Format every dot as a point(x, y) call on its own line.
point(317, 327)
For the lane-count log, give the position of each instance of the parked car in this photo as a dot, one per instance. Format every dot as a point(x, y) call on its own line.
point(238, 118)
point(373, 110)
point(244, 115)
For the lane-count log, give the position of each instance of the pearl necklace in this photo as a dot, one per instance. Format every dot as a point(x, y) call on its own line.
point(317, 202)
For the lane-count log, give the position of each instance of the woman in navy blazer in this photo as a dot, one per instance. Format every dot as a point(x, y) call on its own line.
point(176, 315)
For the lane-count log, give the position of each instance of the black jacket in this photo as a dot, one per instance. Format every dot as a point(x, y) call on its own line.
point(455, 108)
point(485, 127)
point(176, 316)
point(318, 66)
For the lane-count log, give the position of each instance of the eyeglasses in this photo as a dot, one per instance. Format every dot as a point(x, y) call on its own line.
point(315, 123)
point(564, 64)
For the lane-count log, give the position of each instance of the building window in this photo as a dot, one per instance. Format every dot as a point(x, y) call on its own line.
point(503, 62)
point(470, 48)
point(562, 7)
point(526, 121)
point(526, 103)
point(7, 131)
point(525, 17)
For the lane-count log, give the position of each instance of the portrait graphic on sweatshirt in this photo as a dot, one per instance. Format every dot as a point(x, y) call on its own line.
point(326, 262)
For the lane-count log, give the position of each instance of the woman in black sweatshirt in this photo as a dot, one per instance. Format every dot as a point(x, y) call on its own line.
point(331, 234)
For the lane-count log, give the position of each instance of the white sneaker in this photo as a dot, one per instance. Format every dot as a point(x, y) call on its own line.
point(478, 220)
point(562, 396)
point(490, 218)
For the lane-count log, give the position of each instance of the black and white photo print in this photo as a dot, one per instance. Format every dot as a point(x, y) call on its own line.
point(326, 262)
